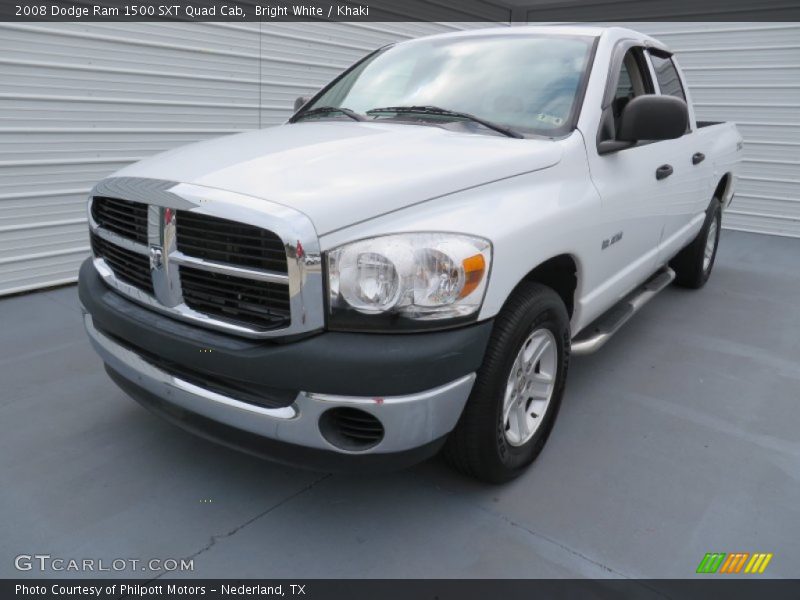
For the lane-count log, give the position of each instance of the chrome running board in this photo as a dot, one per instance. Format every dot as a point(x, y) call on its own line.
point(601, 329)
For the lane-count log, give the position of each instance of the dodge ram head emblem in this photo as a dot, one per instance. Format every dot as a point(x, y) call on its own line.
point(156, 258)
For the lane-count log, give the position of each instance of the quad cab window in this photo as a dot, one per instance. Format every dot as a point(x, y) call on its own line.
point(633, 80)
point(667, 76)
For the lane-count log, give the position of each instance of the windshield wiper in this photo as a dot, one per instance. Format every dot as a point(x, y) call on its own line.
point(325, 110)
point(435, 110)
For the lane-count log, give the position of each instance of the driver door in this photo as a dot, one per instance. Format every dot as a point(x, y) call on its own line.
point(633, 199)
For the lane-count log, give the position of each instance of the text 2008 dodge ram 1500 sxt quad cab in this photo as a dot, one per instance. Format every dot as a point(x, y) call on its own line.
point(408, 262)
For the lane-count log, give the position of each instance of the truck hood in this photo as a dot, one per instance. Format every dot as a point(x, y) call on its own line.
point(339, 173)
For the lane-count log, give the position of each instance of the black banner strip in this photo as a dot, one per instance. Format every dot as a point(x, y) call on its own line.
point(498, 11)
point(715, 586)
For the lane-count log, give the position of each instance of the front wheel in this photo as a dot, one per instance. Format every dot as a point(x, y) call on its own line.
point(518, 390)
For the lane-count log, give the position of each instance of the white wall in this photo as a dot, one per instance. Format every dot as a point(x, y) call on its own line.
point(78, 101)
point(749, 73)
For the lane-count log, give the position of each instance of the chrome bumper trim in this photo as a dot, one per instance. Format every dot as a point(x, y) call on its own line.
point(409, 421)
point(179, 258)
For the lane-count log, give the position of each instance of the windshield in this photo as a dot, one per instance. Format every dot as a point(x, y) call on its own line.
point(529, 83)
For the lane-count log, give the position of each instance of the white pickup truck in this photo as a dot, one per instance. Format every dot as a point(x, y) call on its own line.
point(408, 263)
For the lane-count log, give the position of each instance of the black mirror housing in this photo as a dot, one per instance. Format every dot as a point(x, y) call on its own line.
point(652, 117)
point(299, 101)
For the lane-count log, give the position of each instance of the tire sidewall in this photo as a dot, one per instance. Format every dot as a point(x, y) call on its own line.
point(548, 314)
point(715, 214)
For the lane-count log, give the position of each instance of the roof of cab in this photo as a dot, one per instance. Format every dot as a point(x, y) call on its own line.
point(612, 34)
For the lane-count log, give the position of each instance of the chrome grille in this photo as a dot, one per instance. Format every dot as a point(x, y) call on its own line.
point(131, 267)
point(173, 248)
point(235, 298)
point(128, 219)
point(225, 241)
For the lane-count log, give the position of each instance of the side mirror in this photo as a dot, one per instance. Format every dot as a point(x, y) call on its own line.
point(652, 117)
point(299, 102)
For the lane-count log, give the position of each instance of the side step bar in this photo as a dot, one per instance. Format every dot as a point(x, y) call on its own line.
point(601, 329)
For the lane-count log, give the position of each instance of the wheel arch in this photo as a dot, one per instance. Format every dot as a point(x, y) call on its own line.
point(724, 189)
point(561, 274)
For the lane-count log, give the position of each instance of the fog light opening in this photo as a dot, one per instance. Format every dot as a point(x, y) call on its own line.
point(351, 429)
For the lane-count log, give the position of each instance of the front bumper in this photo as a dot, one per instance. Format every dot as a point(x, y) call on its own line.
point(138, 347)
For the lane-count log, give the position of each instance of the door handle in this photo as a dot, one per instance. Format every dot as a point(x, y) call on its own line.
point(697, 158)
point(663, 171)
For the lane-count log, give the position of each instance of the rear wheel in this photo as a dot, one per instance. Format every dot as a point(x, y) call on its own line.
point(693, 264)
point(518, 390)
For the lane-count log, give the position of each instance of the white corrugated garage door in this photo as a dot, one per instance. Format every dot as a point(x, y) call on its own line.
point(749, 73)
point(78, 101)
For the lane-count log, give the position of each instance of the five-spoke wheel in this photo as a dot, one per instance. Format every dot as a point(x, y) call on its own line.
point(530, 386)
point(518, 391)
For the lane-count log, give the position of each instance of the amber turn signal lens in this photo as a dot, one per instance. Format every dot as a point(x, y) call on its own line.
point(474, 268)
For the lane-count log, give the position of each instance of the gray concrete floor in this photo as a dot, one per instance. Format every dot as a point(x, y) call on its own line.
point(680, 437)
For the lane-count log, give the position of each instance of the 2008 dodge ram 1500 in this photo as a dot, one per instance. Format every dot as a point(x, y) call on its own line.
point(408, 262)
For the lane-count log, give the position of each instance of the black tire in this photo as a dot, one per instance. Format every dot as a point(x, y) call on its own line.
point(689, 265)
point(478, 446)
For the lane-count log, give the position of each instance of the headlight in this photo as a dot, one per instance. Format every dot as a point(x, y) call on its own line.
point(407, 281)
